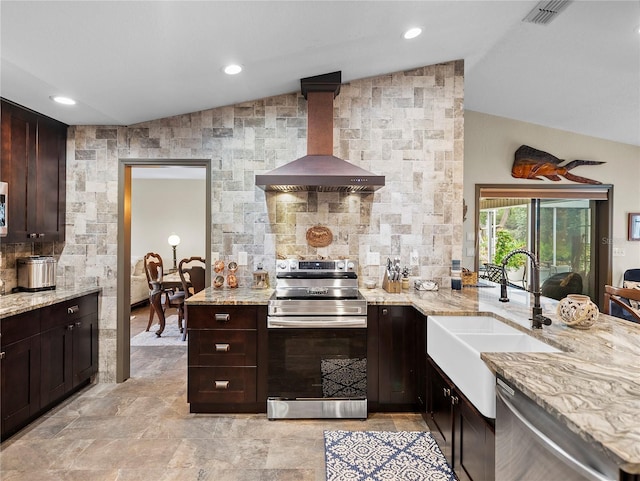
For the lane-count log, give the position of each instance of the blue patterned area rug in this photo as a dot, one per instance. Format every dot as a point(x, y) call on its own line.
point(384, 456)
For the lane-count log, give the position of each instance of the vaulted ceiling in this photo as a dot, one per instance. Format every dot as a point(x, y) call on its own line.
point(130, 61)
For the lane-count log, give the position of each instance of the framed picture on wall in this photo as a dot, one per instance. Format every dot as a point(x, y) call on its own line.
point(634, 226)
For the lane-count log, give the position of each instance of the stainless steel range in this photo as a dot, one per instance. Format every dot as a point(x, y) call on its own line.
point(317, 329)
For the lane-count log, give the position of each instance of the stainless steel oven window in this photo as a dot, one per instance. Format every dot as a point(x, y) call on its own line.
point(318, 363)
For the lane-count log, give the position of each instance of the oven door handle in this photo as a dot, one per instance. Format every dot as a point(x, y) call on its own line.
point(316, 322)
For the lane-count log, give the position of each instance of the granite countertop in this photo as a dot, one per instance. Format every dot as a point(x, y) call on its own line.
point(19, 302)
point(592, 387)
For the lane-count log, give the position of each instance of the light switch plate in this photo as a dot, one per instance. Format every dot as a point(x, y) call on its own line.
point(242, 258)
point(373, 258)
point(415, 258)
point(618, 252)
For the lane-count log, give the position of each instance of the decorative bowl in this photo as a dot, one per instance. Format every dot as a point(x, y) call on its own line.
point(578, 311)
point(370, 284)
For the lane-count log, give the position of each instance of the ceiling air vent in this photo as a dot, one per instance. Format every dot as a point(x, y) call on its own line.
point(544, 12)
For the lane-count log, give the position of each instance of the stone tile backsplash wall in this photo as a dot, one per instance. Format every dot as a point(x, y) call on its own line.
point(407, 126)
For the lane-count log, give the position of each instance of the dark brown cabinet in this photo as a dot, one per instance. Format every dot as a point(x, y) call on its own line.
point(47, 354)
point(19, 370)
point(69, 344)
point(396, 367)
point(466, 438)
point(442, 408)
point(33, 163)
point(227, 358)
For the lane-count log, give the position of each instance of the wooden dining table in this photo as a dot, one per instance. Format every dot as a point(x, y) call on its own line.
point(170, 281)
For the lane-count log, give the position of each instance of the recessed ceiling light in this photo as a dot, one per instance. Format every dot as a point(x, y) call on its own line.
point(412, 33)
point(232, 69)
point(63, 100)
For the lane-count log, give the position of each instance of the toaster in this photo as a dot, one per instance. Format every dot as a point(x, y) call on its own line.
point(36, 273)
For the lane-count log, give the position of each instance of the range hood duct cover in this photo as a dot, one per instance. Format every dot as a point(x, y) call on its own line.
point(320, 170)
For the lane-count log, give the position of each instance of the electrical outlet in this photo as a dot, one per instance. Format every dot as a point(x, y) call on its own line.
point(242, 258)
point(214, 256)
point(618, 252)
point(373, 258)
point(415, 258)
point(471, 252)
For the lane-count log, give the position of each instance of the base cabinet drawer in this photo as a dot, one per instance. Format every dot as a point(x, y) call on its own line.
point(222, 385)
point(223, 317)
point(222, 347)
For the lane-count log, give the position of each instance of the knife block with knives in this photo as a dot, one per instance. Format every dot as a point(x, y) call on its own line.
point(391, 281)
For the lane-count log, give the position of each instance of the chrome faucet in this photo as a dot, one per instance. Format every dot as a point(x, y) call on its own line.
point(537, 319)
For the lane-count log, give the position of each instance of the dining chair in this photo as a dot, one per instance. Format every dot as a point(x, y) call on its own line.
point(171, 297)
point(493, 273)
point(192, 274)
point(617, 302)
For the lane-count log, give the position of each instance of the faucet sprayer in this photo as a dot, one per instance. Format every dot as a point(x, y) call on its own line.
point(537, 319)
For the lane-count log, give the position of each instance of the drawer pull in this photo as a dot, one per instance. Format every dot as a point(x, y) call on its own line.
point(223, 347)
point(2, 355)
point(73, 309)
point(223, 317)
point(70, 327)
point(222, 384)
point(79, 323)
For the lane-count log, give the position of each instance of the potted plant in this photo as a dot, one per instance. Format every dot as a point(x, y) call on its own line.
point(505, 243)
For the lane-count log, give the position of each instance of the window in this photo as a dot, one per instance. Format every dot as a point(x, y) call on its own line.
point(558, 224)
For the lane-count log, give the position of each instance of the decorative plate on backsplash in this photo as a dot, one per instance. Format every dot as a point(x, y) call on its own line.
point(319, 236)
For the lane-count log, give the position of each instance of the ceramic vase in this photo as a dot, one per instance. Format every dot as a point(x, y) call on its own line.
point(578, 311)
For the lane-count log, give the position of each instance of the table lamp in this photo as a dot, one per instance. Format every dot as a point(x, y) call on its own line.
point(174, 240)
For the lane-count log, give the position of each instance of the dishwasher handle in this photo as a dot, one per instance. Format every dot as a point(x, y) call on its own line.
point(550, 445)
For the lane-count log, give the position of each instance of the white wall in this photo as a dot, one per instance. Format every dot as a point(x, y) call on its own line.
point(161, 207)
point(490, 143)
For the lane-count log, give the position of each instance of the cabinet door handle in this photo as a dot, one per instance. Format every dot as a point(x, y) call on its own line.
point(385, 312)
point(454, 400)
point(33, 235)
point(3, 355)
point(70, 327)
point(73, 309)
point(223, 347)
point(446, 391)
point(223, 317)
point(41, 235)
point(79, 323)
point(221, 384)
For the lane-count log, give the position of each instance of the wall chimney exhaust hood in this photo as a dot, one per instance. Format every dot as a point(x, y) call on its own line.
point(320, 170)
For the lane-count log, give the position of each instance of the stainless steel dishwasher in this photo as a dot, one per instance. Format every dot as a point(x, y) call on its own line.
point(531, 445)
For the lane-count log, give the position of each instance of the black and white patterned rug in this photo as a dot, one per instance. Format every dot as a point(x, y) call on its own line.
point(384, 456)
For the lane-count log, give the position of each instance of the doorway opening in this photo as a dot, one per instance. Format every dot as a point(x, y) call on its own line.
point(157, 206)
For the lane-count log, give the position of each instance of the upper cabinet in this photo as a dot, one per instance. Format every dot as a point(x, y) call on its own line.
point(33, 163)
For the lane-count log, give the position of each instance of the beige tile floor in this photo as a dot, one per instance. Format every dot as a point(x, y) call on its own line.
point(142, 430)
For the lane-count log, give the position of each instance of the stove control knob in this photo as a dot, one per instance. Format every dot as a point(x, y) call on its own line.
point(350, 266)
point(282, 265)
point(340, 265)
point(293, 265)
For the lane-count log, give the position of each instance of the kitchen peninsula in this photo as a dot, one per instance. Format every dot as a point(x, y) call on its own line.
point(592, 387)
